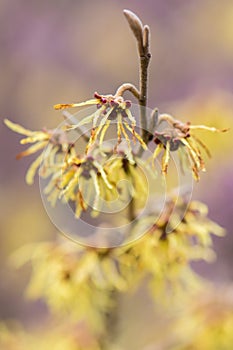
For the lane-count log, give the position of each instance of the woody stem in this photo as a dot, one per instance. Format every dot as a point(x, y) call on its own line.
point(142, 35)
point(144, 63)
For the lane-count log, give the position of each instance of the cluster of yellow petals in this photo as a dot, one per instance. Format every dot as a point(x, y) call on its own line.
point(80, 280)
point(178, 136)
point(110, 109)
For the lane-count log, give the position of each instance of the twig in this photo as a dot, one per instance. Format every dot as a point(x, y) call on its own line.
point(142, 35)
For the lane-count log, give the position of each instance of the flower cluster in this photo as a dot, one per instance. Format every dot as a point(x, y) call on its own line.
point(55, 144)
point(180, 235)
point(78, 181)
point(88, 181)
point(103, 174)
point(109, 108)
point(92, 182)
point(179, 136)
point(76, 280)
point(81, 280)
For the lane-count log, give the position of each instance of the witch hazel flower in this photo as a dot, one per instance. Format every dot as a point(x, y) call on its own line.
point(178, 136)
point(81, 183)
point(109, 109)
point(53, 144)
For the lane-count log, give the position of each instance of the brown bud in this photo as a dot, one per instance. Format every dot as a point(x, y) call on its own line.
point(135, 25)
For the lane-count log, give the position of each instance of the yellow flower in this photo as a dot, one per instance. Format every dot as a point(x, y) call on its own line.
point(179, 136)
point(128, 179)
point(55, 144)
point(92, 182)
point(80, 280)
point(180, 235)
point(89, 181)
point(109, 108)
point(75, 280)
point(82, 181)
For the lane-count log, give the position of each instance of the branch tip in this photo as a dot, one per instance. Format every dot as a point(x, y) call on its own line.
point(146, 37)
point(131, 16)
point(135, 24)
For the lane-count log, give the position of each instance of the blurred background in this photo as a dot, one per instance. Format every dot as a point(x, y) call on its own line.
point(64, 50)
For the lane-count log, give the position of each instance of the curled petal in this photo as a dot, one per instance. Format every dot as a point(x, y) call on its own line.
point(127, 138)
point(192, 152)
point(157, 150)
point(32, 169)
point(130, 116)
point(35, 137)
point(166, 158)
point(97, 189)
point(80, 205)
point(103, 174)
point(104, 130)
point(71, 105)
point(144, 146)
point(202, 145)
point(17, 128)
point(204, 127)
point(33, 149)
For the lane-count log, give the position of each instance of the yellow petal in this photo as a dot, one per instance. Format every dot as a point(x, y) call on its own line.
point(112, 274)
point(32, 170)
point(203, 145)
point(157, 151)
point(35, 137)
point(130, 116)
point(80, 205)
point(193, 154)
point(71, 105)
point(144, 146)
point(103, 174)
point(204, 127)
point(166, 158)
point(104, 130)
point(17, 128)
point(66, 178)
point(33, 149)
